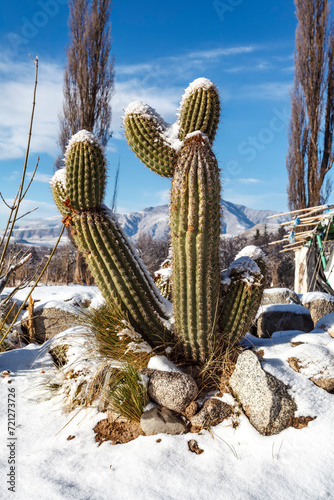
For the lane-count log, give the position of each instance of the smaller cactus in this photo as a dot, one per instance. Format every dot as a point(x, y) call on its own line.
point(242, 289)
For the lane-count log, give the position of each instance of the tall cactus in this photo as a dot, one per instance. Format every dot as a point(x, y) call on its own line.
point(183, 151)
point(121, 276)
point(206, 313)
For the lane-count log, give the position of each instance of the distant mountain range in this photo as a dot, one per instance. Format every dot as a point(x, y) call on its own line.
point(153, 220)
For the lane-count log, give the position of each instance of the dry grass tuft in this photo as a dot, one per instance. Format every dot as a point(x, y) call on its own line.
point(115, 337)
point(127, 393)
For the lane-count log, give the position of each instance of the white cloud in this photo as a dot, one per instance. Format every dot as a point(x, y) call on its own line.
point(16, 92)
point(221, 51)
point(248, 181)
point(242, 68)
point(276, 91)
point(40, 177)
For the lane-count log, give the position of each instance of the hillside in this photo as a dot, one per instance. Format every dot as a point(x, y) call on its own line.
point(151, 220)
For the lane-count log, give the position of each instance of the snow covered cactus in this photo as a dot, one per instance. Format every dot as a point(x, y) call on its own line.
point(183, 151)
point(208, 314)
point(78, 192)
point(242, 289)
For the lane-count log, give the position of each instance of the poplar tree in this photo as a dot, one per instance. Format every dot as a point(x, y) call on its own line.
point(310, 150)
point(89, 73)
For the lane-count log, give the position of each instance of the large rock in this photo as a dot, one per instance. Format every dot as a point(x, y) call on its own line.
point(319, 304)
point(213, 412)
point(48, 321)
point(172, 389)
point(264, 398)
point(279, 296)
point(277, 318)
point(162, 420)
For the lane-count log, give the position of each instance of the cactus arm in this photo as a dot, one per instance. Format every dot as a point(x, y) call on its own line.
point(58, 186)
point(150, 138)
point(199, 109)
point(242, 288)
point(116, 267)
point(85, 171)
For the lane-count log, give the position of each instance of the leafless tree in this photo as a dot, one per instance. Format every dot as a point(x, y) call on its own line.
point(88, 84)
point(310, 153)
point(89, 73)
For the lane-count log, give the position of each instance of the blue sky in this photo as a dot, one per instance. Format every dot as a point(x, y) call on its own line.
point(246, 47)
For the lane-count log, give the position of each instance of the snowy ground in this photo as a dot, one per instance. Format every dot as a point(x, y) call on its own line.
point(236, 464)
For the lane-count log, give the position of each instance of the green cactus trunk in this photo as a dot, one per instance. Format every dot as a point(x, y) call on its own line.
point(195, 230)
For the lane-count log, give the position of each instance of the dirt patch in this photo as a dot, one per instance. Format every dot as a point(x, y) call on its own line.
point(301, 422)
point(295, 344)
point(295, 364)
point(117, 432)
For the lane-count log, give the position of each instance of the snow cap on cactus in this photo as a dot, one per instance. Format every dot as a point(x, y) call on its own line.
point(243, 269)
point(82, 136)
point(59, 177)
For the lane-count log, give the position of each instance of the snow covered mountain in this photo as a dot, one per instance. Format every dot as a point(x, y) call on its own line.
point(152, 220)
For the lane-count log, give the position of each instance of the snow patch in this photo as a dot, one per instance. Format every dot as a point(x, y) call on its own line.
point(293, 308)
point(163, 364)
point(246, 269)
point(313, 296)
point(251, 251)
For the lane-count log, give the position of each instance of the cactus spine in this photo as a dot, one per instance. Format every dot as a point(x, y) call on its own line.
point(194, 210)
point(113, 262)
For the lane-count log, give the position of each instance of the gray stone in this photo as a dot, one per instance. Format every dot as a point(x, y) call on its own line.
point(319, 304)
point(48, 321)
point(162, 420)
point(264, 399)
point(279, 296)
point(278, 318)
point(172, 389)
point(213, 412)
